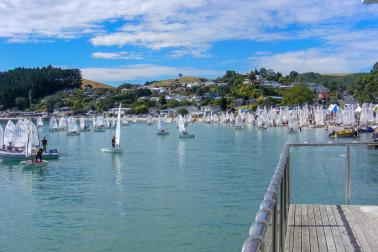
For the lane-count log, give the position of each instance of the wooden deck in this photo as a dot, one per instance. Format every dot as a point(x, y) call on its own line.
point(332, 228)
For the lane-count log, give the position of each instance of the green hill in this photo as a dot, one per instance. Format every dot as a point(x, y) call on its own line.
point(179, 81)
point(95, 84)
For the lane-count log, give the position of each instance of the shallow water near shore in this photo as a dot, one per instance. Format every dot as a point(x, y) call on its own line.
point(164, 193)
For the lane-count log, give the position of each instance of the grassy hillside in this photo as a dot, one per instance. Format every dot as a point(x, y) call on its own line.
point(95, 84)
point(180, 81)
point(344, 79)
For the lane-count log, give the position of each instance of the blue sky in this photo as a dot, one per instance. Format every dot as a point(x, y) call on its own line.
point(135, 41)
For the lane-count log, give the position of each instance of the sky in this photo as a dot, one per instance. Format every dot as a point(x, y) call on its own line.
point(117, 41)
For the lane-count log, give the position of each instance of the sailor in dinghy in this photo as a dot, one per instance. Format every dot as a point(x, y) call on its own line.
point(116, 148)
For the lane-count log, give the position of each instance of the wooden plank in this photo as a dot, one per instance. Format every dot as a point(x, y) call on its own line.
point(319, 229)
point(366, 227)
point(334, 229)
point(372, 215)
point(290, 229)
point(306, 246)
point(314, 246)
point(327, 229)
point(342, 229)
point(297, 229)
point(362, 242)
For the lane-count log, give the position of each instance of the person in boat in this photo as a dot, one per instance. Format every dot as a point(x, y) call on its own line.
point(113, 142)
point(44, 144)
point(39, 155)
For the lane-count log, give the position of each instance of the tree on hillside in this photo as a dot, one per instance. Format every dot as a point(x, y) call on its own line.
point(35, 83)
point(367, 87)
point(298, 95)
point(182, 111)
point(293, 75)
point(162, 100)
point(223, 103)
point(21, 103)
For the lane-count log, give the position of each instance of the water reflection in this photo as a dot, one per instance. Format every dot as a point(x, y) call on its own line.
point(181, 149)
point(117, 164)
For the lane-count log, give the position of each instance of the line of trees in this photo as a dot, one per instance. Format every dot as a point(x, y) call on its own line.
point(21, 87)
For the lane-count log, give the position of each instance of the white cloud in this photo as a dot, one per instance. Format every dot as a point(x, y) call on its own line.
point(143, 72)
point(117, 55)
point(190, 26)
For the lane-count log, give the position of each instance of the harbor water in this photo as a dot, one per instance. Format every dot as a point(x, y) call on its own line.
point(164, 193)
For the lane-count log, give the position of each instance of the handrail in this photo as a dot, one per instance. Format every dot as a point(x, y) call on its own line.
point(274, 209)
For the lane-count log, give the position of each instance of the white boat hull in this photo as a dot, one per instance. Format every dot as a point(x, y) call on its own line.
point(30, 163)
point(111, 150)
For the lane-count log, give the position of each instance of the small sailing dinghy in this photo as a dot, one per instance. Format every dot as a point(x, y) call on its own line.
point(28, 151)
point(183, 133)
point(39, 122)
point(239, 121)
point(117, 147)
point(162, 128)
point(72, 128)
point(83, 126)
point(53, 124)
point(149, 120)
point(99, 124)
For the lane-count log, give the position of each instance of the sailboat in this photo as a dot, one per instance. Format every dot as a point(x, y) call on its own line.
point(239, 122)
point(162, 128)
point(39, 122)
point(72, 128)
point(83, 125)
point(99, 124)
point(15, 139)
point(30, 162)
point(125, 122)
point(183, 133)
point(149, 120)
point(117, 148)
point(53, 124)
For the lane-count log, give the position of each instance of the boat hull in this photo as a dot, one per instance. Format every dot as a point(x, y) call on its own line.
point(111, 150)
point(162, 133)
point(99, 130)
point(73, 133)
point(186, 136)
point(21, 155)
point(32, 163)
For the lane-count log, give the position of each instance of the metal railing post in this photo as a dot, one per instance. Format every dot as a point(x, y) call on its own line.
point(347, 175)
point(274, 228)
point(282, 212)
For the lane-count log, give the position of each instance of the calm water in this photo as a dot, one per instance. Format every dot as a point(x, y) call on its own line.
point(165, 193)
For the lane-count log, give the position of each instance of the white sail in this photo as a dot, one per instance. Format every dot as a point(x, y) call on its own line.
point(20, 135)
point(161, 124)
point(8, 133)
point(239, 121)
point(181, 124)
point(82, 123)
point(62, 123)
point(1, 137)
point(53, 123)
point(118, 127)
point(72, 125)
point(39, 122)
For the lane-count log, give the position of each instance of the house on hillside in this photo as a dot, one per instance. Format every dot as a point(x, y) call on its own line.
point(208, 109)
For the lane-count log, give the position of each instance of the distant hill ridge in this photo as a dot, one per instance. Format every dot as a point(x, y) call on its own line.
point(181, 81)
point(95, 84)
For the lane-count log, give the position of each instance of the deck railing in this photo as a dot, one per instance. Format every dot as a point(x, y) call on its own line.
point(268, 231)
